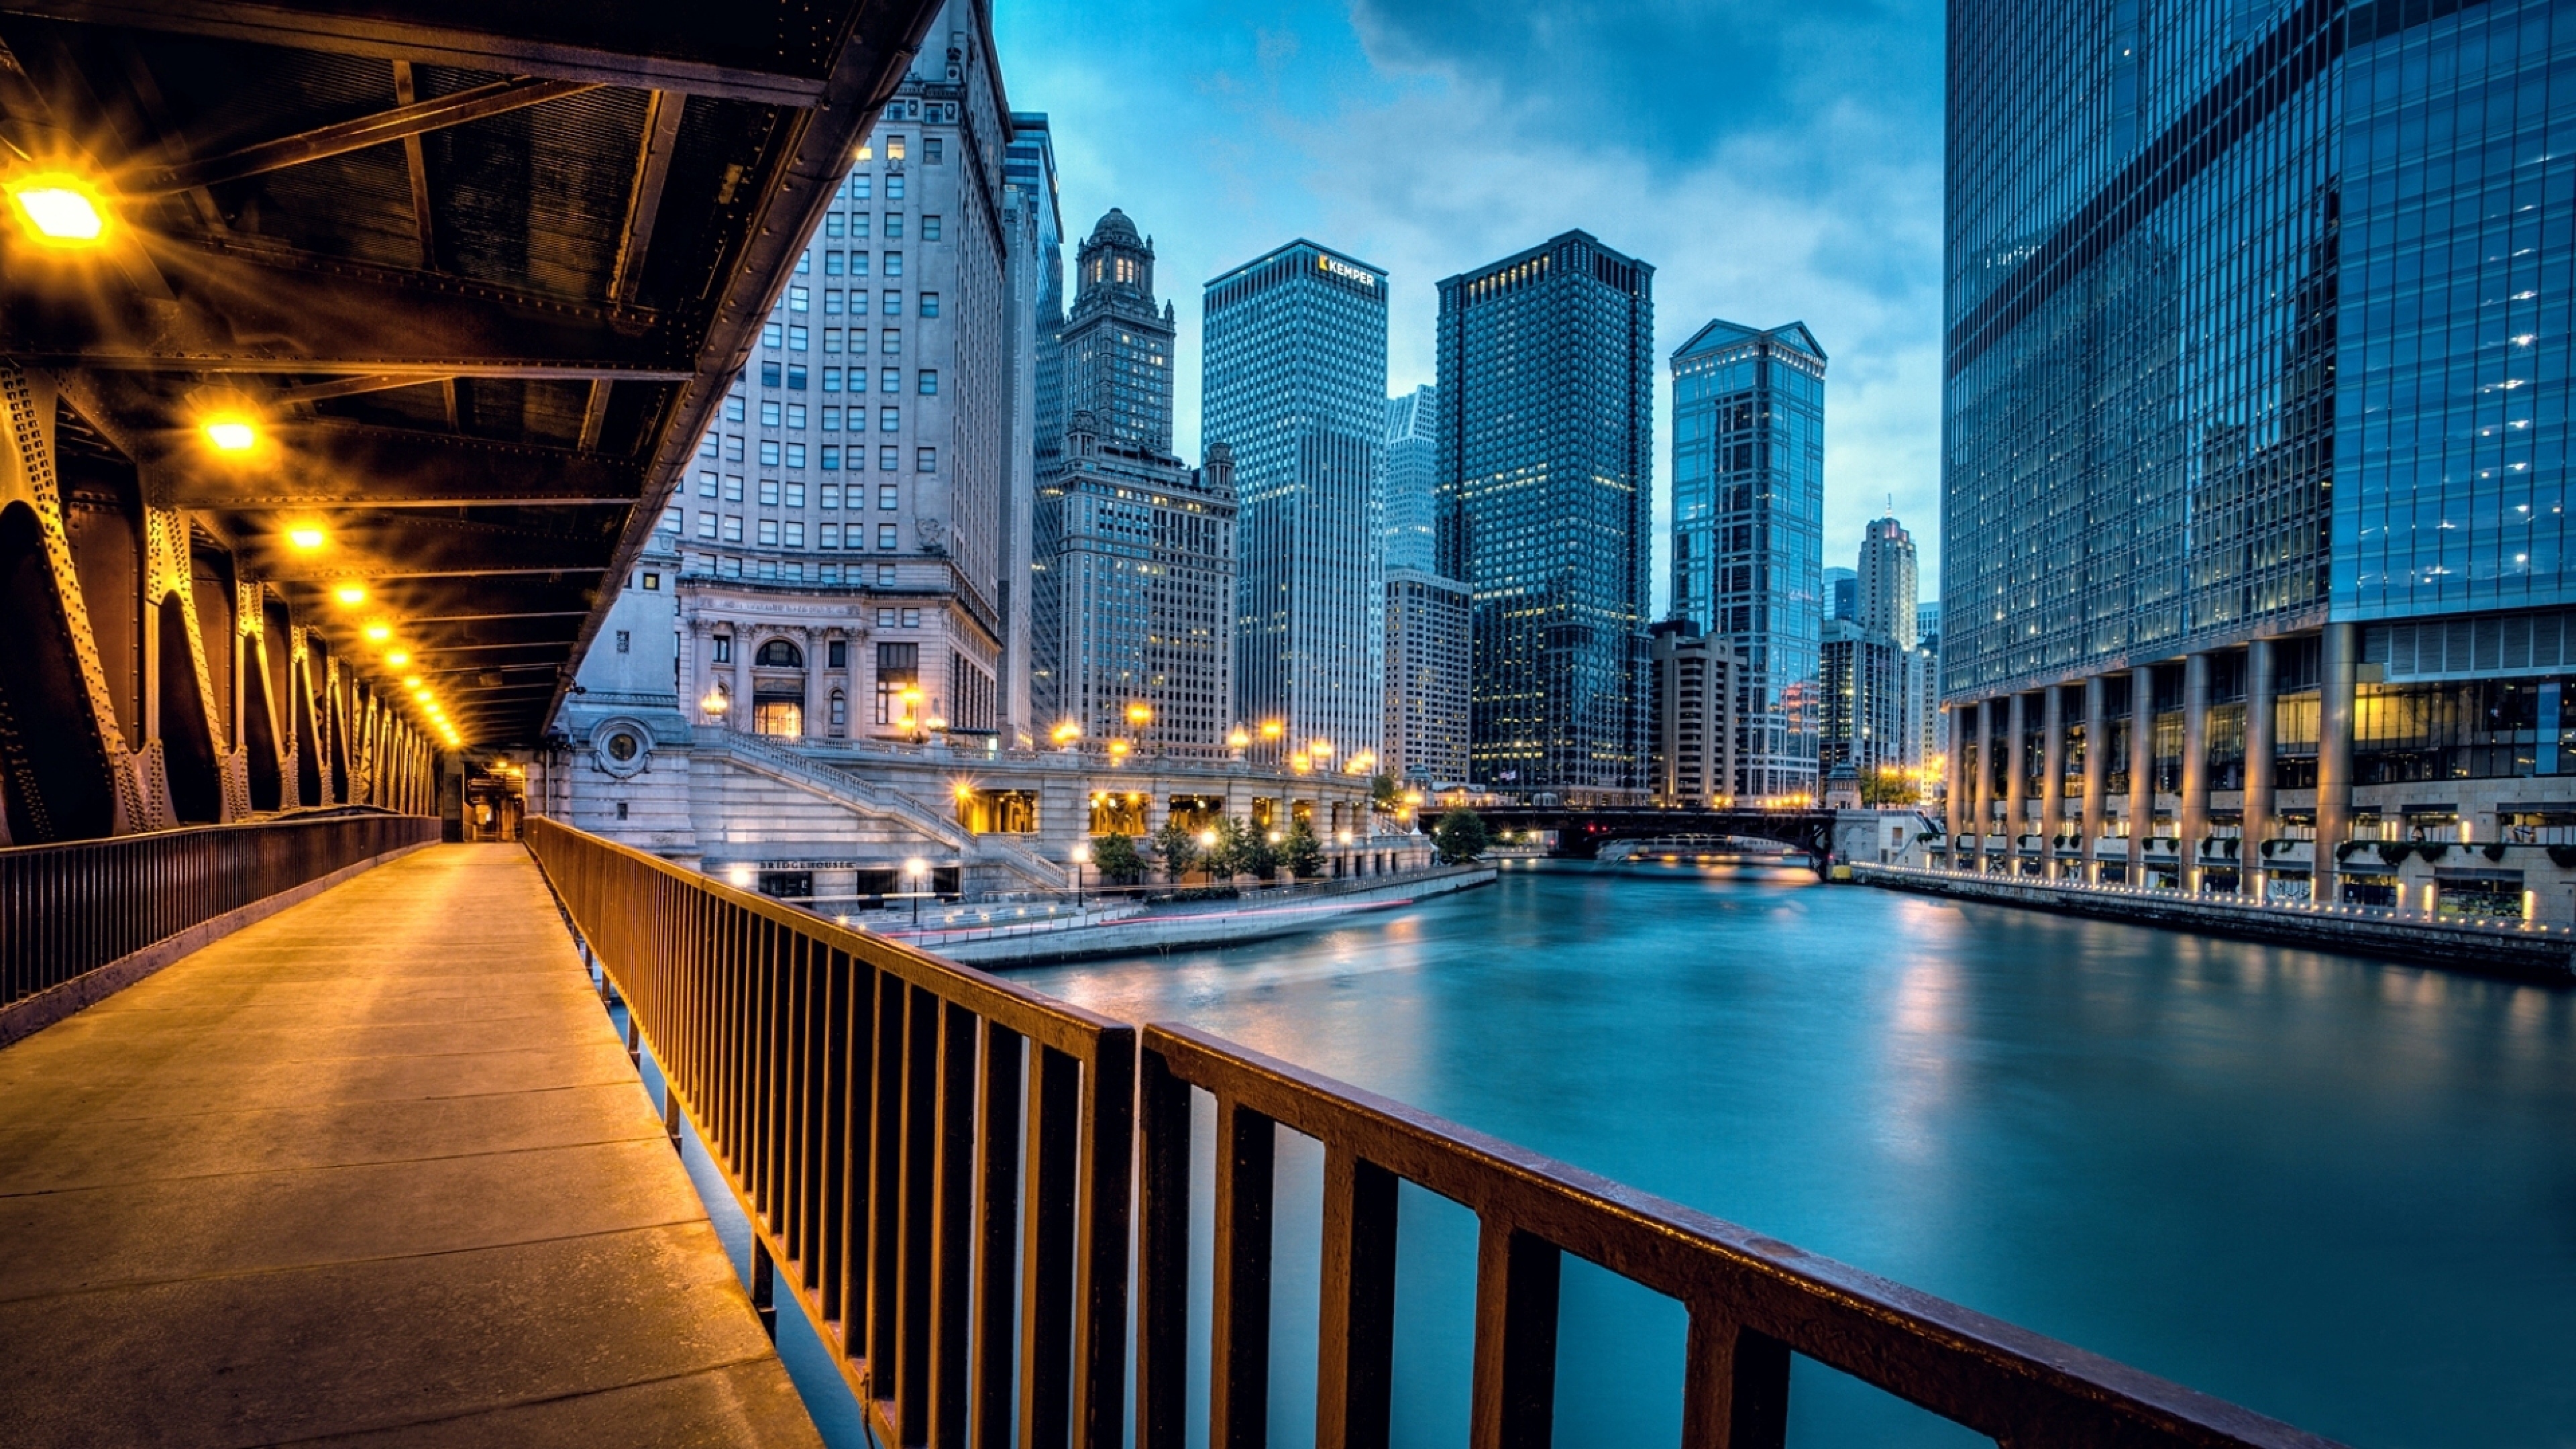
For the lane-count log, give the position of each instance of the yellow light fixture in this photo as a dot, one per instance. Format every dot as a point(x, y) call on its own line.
point(231, 435)
point(1240, 738)
point(398, 659)
point(412, 680)
point(305, 537)
point(350, 594)
point(379, 633)
point(59, 209)
point(1320, 749)
point(1140, 714)
point(1272, 729)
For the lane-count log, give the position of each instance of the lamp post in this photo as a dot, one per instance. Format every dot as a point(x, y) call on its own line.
point(919, 871)
point(1081, 853)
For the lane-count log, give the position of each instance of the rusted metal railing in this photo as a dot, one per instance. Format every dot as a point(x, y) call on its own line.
point(936, 1163)
point(1752, 1301)
point(67, 910)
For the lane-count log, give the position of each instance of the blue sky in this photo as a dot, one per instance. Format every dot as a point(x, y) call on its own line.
point(1775, 162)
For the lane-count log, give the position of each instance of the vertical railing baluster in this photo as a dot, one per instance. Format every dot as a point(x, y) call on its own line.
point(1239, 1301)
point(853, 1164)
point(1100, 1240)
point(1514, 1393)
point(1354, 1377)
point(1046, 1250)
point(885, 1214)
point(1162, 1258)
point(1735, 1386)
point(997, 1230)
point(952, 1248)
point(920, 1153)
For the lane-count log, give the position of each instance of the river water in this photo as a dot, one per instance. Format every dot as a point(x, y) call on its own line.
point(2339, 1192)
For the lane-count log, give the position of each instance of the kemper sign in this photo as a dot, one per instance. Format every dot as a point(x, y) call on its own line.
point(1341, 268)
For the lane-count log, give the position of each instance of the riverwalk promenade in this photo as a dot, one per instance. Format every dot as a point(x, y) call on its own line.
point(373, 1171)
point(2514, 949)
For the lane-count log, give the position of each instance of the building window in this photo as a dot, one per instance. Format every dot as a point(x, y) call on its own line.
point(834, 225)
point(797, 338)
point(893, 264)
point(930, 304)
point(889, 497)
point(707, 446)
point(778, 716)
point(925, 460)
point(769, 492)
point(706, 485)
point(796, 455)
point(831, 459)
point(886, 538)
point(859, 268)
point(769, 532)
point(894, 188)
point(931, 147)
point(769, 374)
point(929, 383)
point(889, 420)
point(898, 670)
point(831, 495)
point(800, 299)
point(652, 581)
point(930, 228)
point(886, 456)
point(831, 535)
point(795, 377)
point(768, 459)
point(621, 809)
point(769, 414)
point(894, 151)
point(805, 261)
point(795, 494)
point(831, 379)
point(859, 232)
point(834, 263)
point(773, 334)
point(724, 648)
point(861, 186)
point(625, 642)
point(706, 525)
point(733, 448)
point(893, 341)
point(795, 534)
point(795, 415)
point(890, 379)
point(733, 528)
point(733, 487)
point(894, 304)
point(670, 521)
point(894, 232)
point(840, 712)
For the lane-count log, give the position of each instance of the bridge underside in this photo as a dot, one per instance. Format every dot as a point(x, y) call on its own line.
point(468, 282)
point(1580, 833)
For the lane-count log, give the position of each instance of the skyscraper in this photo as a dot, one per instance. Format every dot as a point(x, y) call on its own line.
point(1696, 690)
point(2255, 438)
point(1295, 381)
point(1547, 472)
point(1888, 588)
point(1034, 224)
point(1748, 531)
point(1842, 594)
point(1410, 469)
point(1135, 556)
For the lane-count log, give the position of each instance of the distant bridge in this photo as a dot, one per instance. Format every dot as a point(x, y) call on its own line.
point(1581, 831)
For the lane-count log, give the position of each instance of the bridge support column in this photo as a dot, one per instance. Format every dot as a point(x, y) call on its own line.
point(2192, 816)
point(2052, 776)
point(2260, 674)
point(2016, 779)
point(2096, 740)
point(2142, 768)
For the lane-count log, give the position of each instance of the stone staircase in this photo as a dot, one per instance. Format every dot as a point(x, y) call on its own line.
point(855, 793)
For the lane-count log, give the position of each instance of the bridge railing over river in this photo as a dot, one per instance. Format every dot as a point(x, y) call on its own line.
point(865, 1102)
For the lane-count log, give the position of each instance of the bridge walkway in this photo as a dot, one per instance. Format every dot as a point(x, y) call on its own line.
point(373, 1171)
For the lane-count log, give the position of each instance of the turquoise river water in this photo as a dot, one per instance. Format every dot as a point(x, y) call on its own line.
point(2339, 1192)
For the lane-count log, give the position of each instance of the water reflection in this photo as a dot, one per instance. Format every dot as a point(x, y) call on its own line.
point(2339, 1192)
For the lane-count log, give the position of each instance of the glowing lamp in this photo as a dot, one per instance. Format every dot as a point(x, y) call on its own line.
point(350, 594)
point(379, 633)
point(59, 209)
point(398, 659)
point(1240, 738)
point(307, 538)
point(1140, 714)
point(1320, 749)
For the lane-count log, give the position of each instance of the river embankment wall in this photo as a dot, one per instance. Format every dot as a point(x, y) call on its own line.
point(2542, 953)
point(1252, 919)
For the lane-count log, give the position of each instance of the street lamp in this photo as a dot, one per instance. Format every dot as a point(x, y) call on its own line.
point(1081, 854)
point(919, 872)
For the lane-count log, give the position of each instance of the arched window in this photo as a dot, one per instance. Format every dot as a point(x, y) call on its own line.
point(779, 654)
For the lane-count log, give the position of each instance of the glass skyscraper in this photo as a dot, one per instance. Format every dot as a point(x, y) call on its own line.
point(2255, 436)
point(1546, 513)
point(1749, 533)
point(1410, 487)
point(1295, 382)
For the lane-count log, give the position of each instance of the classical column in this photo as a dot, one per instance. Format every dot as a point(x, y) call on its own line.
point(2052, 776)
point(739, 715)
point(817, 684)
point(2334, 754)
point(1954, 772)
point(2259, 682)
point(2142, 767)
point(1982, 789)
point(2096, 737)
point(2192, 818)
point(2016, 771)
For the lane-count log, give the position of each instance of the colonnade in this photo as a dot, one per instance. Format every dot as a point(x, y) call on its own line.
point(1982, 729)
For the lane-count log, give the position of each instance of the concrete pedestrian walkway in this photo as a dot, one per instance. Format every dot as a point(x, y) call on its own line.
point(375, 1171)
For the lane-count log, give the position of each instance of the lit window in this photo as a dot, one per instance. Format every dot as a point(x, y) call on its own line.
point(772, 334)
point(894, 149)
point(800, 299)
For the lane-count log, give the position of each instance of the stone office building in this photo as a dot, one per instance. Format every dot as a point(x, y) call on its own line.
point(2255, 470)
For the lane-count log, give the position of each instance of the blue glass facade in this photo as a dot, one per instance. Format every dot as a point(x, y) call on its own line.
point(1749, 532)
point(1408, 488)
point(1295, 382)
point(1547, 475)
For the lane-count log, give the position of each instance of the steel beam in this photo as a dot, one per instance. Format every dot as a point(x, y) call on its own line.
point(694, 49)
point(351, 465)
point(403, 122)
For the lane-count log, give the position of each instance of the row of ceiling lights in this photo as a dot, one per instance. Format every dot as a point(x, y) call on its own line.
point(61, 210)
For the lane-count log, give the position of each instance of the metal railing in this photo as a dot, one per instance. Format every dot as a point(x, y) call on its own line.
point(867, 1105)
point(66, 910)
point(1752, 1301)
